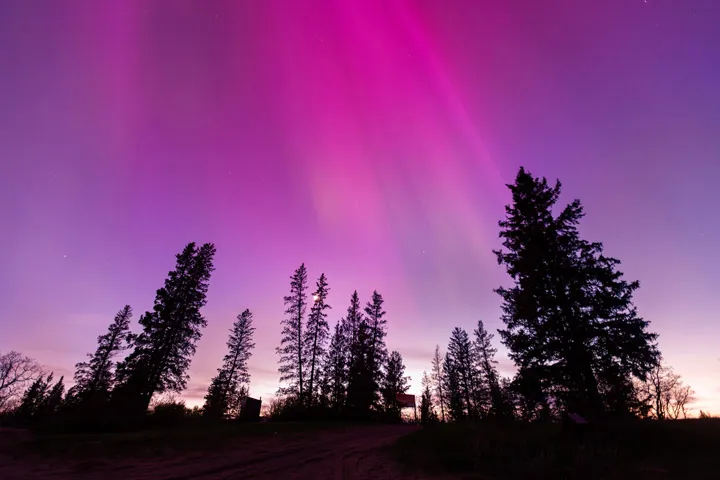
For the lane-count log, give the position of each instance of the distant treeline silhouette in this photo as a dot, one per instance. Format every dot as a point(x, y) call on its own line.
point(571, 328)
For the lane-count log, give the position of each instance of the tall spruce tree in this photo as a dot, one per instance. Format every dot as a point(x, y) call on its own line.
point(453, 391)
point(436, 378)
point(377, 323)
point(394, 383)
point(362, 387)
point(336, 368)
point(291, 351)
point(163, 350)
point(461, 355)
point(570, 319)
point(95, 378)
point(231, 383)
point(315, 339)
point(350, 324)
point(485, 363)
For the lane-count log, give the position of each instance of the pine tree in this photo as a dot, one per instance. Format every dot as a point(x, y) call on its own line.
point(394, 383)
point(427, 409)
point(451, 385)
point(437, 382)
point(33, 399)
point(230, 385)
point(291, 349)
point(361, 385)
point(460, 352)
point(316, 335)
point(336, 368)
point(95, 378)
point(163, 350)
point(351, 321)
point(569, 318)
point(377, 323)
point(53, 400)
point(484, 356)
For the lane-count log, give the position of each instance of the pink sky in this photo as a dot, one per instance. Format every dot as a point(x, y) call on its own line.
point(370, 140)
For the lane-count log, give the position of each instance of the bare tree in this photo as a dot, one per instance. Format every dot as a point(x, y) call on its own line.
point(16, 372)
point(682, 396)
point(665, 393)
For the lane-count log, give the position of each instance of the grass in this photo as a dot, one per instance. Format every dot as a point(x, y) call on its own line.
point(159, 442)
point(657, 450)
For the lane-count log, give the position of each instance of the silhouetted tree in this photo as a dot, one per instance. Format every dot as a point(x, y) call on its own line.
point(95, 378)
point(336, 369)
point(452, 389)
point(41, 400)
point(16, 373)
point(665, 394)
point(316, 335)
point(437, 383)
point(569, 318)
point(427, 409)
point(53, 400)
point(394, 383)
point(461, 355)
point(352, 320)
point(33, 398)
point(163, 350)
point(484, 357)
point(230, 385)
point(361, 384)
point(291, 349)
point(377, 324)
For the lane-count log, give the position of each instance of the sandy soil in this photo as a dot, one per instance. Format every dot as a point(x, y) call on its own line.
point(358, 453)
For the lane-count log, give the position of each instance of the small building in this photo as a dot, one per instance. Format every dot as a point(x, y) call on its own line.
point(250, 409)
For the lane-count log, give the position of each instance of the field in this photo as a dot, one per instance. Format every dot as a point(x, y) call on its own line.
point(262, 451)
point(685, 449)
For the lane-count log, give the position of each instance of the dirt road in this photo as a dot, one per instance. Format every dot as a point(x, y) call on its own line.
point(356, 453)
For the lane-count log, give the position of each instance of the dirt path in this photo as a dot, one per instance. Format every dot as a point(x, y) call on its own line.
point(357, 453)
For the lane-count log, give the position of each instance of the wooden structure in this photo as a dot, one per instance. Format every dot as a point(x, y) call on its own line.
point(407, 401)
point(250, 409)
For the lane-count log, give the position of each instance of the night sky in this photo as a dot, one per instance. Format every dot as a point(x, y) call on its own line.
point(370, 140)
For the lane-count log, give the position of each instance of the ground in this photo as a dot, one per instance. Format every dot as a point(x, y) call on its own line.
point(351, 452)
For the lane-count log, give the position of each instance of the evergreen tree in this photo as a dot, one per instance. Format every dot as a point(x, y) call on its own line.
point(361, 385)
point(95, 378)
point(316, 335)
point(163, 350)
point(452, 389)
point(377, 324)
point(53, 400)
point(394, 383)
point(33, 399)
point(484, 354)
point(230, 385)
point(291, 349)
point(460, 353)
point(427, 409)
point(351, 322)
point(569, 317)
point(437, 382)
point(336, 368)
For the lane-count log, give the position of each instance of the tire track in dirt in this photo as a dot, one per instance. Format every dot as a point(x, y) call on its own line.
point(356, 453)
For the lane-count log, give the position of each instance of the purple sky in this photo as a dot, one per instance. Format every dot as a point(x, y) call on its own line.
point(370, 140)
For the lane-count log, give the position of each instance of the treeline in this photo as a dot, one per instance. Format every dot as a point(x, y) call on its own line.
point(344, 374)
point(570, 327)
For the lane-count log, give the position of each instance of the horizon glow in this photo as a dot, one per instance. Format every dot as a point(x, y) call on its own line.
point(370, 140)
